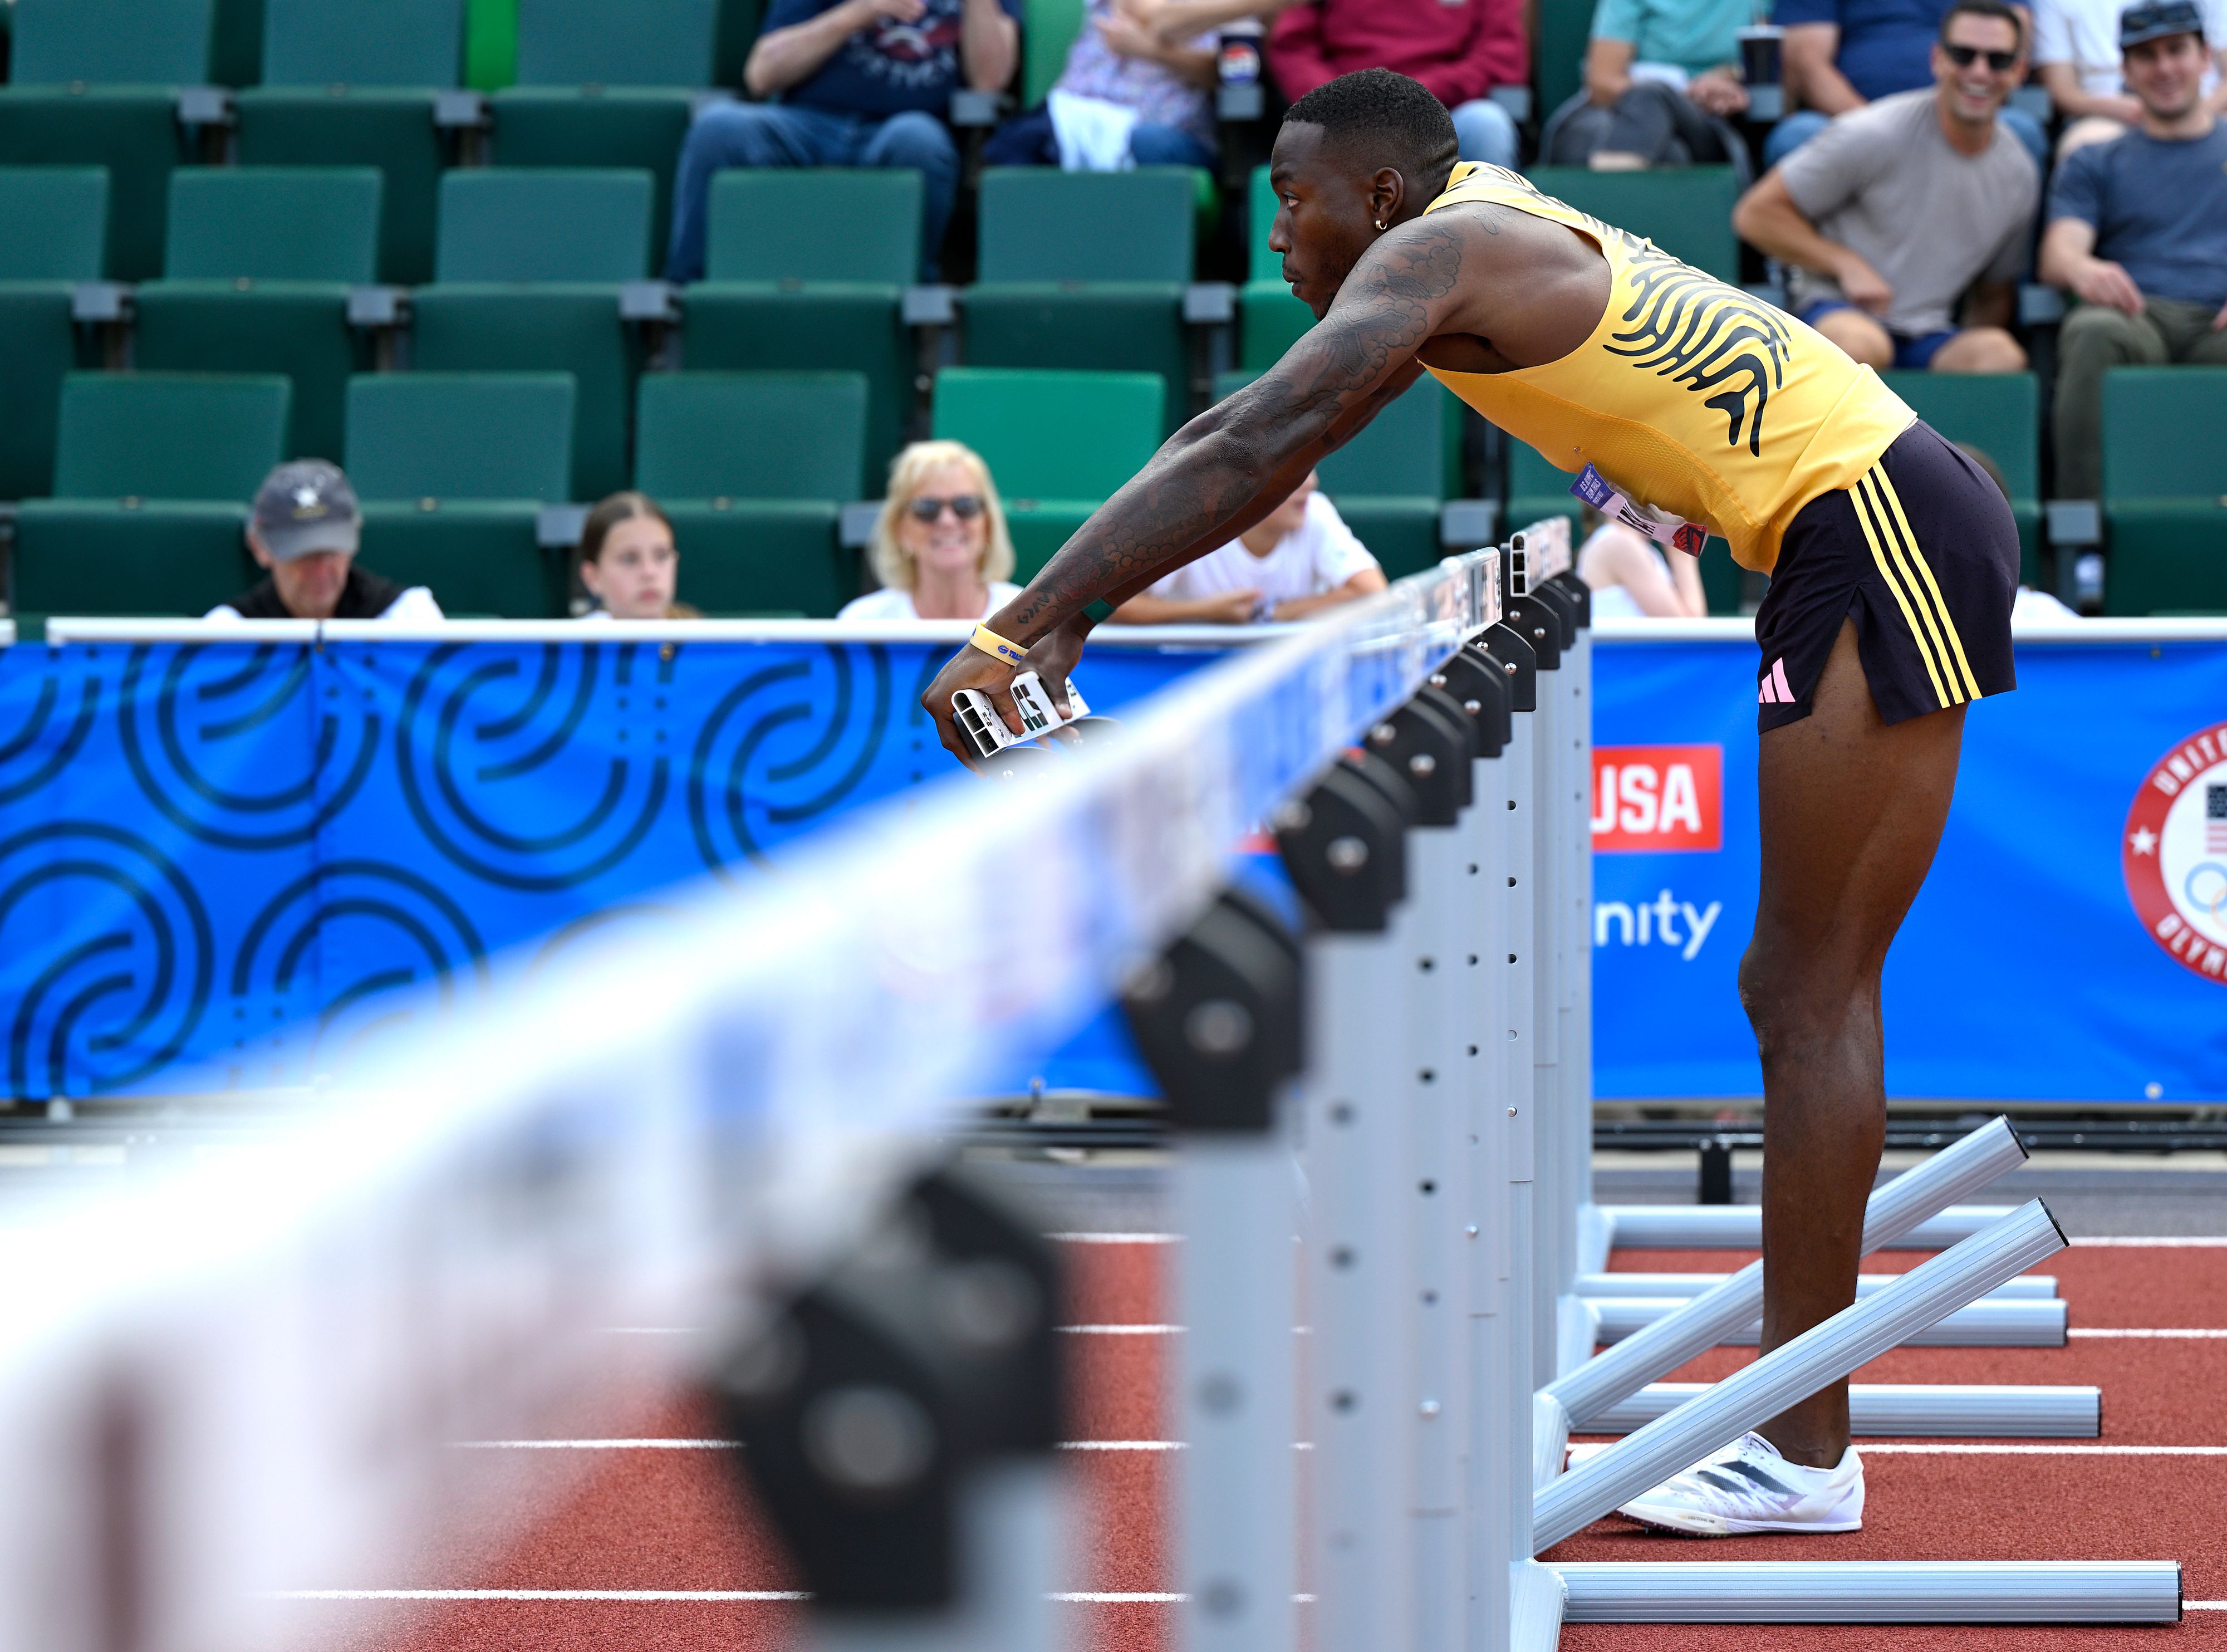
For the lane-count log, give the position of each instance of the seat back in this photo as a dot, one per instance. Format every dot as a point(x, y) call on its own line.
point(57, 220)
point(1999, 413)
point(615, 42)
point(1047, 34)
point(362, 42)
point(2161, 432)
point(751, 436)
point(459, 435)
point(1040, 223)
point(111, 42)
point(824, 224)
point(168, 435)
point(530, 223)
point(274, 223)
point(1261, 208)
point(1052, 435)
point(1560, 55)
point(1411, 448)
point(1685, 211)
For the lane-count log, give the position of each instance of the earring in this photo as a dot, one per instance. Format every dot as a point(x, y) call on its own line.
point(1380, 224)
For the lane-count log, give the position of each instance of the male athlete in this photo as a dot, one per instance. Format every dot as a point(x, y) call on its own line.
point(1894, 562)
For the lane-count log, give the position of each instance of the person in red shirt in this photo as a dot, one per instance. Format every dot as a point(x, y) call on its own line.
point(1458, 49)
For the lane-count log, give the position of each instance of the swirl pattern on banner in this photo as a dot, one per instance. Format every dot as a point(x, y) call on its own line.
point(107, 955)
point(311, 970)
point(494, 741)
point(786, 745)
point(204, 755)
point(47, 734)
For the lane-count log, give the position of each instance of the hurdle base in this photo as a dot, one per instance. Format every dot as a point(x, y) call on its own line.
point(1550, 1438)
point(1535, 1607)
point(1903, 1410)
point(2027, 1287)
point(1739, 1226)
point(1872, 1591)
point(1992, 1322)
point(1577, 1333)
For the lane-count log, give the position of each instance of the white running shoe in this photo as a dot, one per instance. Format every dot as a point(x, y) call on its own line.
point(1749, 1487)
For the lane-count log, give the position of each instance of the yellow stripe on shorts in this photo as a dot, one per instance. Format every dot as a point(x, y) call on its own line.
point(1865, 504)
point(1963, 666)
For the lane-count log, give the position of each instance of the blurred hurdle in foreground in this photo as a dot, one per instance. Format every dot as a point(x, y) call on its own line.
point(247, 1380)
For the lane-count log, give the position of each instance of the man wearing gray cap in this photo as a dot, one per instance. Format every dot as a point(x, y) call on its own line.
point(2138, 231)
point(305, 529)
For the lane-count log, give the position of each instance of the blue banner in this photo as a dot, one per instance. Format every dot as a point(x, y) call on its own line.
point(229, 864)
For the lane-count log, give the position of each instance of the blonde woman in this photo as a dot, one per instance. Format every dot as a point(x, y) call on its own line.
point(939, 547)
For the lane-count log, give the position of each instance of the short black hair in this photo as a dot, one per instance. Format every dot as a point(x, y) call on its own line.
point(1995, 9)
point(1417, 133)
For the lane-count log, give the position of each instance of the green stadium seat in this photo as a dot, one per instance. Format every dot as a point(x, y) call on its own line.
point(532, 262)
point(1559, 56)
point(1685, 211)
point(2165, 490)
point(737, 33)
point(58, 223)
point(1999, 413)
point(355, 83)
point(173, 559)
point(95, 83)
point(453, 470)
point(807, 270)
point(1047, 32)
point(1389, 481)
point(1270, 318)
point(168, 435)
point(236, 45)
point(257, 280)
point(606, 83)
point(753, 469)
point(1057, 443)
point(1086, 270)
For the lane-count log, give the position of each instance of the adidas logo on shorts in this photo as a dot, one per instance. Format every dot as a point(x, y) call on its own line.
point(1772, 690)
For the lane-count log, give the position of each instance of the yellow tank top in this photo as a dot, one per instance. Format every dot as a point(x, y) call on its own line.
point(1690, 396)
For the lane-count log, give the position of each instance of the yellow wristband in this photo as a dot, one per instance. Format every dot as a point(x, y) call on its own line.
point(997, 647)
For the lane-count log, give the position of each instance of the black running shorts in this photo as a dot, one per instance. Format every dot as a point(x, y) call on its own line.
point(1923, 555)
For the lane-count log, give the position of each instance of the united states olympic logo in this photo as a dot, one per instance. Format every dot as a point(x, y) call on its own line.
point(2175, 852)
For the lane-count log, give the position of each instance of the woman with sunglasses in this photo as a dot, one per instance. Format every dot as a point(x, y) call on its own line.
point(940, 546)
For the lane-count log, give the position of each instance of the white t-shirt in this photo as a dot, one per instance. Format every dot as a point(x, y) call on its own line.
point(1317, 555)
point(2085, 33)
point(889, 605)
point(415, 606)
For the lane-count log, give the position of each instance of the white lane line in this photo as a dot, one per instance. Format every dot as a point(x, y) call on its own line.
point(1121, 1330)
point(2204, 1605)
point(597, 1445)
point(2186, 1332)
point(651, 1595)
point(1107, 1598)
point(1930, 1449)
point(1116, 1239)
point(2158, 1244)
point(1121, 1446)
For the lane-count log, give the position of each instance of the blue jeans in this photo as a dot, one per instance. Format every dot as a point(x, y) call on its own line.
point(1484, 133)
point(780, 134)
point(1797, 129)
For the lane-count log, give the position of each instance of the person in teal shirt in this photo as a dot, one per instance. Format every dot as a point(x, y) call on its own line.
point(1661, 86)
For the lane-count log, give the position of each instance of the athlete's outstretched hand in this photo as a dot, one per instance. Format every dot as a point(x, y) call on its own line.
point(1051, 658)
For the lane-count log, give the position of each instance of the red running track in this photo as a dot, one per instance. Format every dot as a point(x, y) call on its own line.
point(671, 1520)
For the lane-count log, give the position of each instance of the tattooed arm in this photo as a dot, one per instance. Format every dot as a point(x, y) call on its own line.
point(1232, 465)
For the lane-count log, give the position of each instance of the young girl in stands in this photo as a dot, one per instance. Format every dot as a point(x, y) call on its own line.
point(627, 561)
point(940, 546)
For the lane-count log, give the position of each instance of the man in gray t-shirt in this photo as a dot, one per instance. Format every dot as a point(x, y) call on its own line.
point(1888, 218)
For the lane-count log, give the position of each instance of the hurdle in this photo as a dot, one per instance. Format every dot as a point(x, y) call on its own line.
point(249, 1382)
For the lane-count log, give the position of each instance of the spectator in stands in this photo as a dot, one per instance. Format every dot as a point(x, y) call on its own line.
point(305, 528)
point(1900, 208)
point(2138, 231)
point(1460, 49)
point(939, 546)
point(1300, 559)
point(1631, 577)
point(1663, 80)
point(627, 561)
point(2076, 52)
point(1127, 98)
point(859, 83)
point(1841, 54)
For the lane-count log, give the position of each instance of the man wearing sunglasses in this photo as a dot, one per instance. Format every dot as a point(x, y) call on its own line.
point(2138, 232)
point(1902, 210)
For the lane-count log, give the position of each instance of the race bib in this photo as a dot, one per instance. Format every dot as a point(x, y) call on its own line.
point(1663, 529)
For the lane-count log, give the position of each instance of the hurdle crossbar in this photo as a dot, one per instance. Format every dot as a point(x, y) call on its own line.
point(1872, 1591)
point(1980, 1411)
